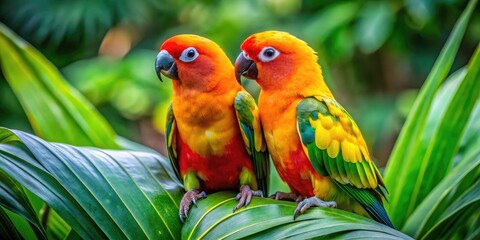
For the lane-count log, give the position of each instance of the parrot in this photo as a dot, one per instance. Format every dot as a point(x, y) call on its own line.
point(213, 134)
point(315, 145)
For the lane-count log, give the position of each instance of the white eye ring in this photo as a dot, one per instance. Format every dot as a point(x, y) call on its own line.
point(268, 54)
point(246, 56)
point(189, 54)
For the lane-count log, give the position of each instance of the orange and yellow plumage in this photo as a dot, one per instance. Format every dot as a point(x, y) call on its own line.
point(315, 145)
point(212, 126)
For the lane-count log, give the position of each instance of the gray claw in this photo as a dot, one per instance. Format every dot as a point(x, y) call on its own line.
point(284, 196)
point(312, 201)
point(257, 193)
point(194, 202)
point(249, 198)
point(244, 197)
point(295, 214)
point(189, 198)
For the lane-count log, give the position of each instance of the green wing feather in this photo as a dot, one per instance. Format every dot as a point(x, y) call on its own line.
point(249, 122)
point(337, 149)
point(171, 137)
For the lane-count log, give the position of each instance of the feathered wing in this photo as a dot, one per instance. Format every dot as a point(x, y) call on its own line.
point(336, 148)
point(171, 135)
point(249, 122)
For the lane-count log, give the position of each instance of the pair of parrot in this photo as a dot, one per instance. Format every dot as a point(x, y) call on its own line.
point(218, 139)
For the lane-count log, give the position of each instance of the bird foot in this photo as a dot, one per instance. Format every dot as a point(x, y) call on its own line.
point(188, 198)
point(287, 196)
point(245, 196)
point(309, 202)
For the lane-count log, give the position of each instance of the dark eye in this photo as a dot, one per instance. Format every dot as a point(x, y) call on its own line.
point(268, 54)
point(189, 54)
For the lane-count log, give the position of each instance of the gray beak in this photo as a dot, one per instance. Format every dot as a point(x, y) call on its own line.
point(165, 64)
point(245, 67)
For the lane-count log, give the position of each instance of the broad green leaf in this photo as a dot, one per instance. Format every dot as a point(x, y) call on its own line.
point(13, 198)
point(99, 193)
point(427, 214)
point(24, 227)
point(72, 235)
point(330, 19)
point(439, 149)
point(361, 235)
point(133, 146)
point(437, 110)
point(7, 228)
point(129, 84)
point(328, 25)
point(374, 25)
point(265, 218)
point(457, 213)
point(446, 141)
point(37, 179)
point(57, 228)
point(404, 161)
point(447, 191)
point(471, 135)
point(56, 111)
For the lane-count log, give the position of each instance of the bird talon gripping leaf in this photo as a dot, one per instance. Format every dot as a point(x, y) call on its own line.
point(315, 145)
point(214, 138)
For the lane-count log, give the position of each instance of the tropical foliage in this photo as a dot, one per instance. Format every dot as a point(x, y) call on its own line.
point(81, 190)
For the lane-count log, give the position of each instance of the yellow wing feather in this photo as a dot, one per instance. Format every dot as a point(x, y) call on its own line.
point(332, 130)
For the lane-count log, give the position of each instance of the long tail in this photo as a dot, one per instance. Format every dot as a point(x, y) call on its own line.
point(378, 213)
point(372, 204)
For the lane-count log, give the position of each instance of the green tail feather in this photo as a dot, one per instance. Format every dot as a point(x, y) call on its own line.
point(369, 201)
point(378, 213)
point(259, 160)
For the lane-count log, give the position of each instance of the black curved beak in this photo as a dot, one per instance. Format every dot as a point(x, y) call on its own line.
point(245, 67)
point(165, 64)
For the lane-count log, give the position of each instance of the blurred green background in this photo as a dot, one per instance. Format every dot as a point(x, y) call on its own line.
point(375, 54)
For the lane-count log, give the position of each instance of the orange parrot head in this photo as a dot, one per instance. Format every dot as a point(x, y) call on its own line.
point(193, 61)
point(272, 57)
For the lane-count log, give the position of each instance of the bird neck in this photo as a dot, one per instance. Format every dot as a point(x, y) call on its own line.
point(216, 83)
point(214, 87)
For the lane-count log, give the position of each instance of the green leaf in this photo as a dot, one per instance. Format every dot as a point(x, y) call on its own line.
point(456, 214)
point(57, 228)
point(72, 235)
point(7, 228)
point(37, 179)
point(429, 212)
point(444, 95)
point(129, 84)
point(13, 198)
point(374, 26)
point(404, 174)
point(266, 218)
point(99, 193)
point(447, 138)
point(56, 111)
point(438, 149)
point(328, 20)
